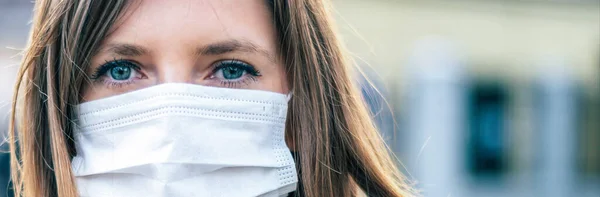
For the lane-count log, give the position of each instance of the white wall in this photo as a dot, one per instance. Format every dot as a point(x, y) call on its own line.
point(499, 38)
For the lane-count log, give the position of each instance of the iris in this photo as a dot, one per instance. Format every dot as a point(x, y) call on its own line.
point(120, 73)
point(232, 72)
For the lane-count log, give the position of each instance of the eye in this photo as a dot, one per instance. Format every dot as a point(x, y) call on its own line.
point(233, 70)
point(120, 73)
point(233, 73)
point(117, 72)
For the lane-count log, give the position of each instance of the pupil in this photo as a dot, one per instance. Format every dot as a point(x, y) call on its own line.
point(232, 73)
point(120, 73)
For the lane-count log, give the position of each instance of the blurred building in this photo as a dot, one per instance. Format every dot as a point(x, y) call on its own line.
point(489, 98)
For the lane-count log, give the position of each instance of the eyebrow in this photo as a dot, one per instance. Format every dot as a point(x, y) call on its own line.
point(218, 48)
point(229, 46)
point(126, 49)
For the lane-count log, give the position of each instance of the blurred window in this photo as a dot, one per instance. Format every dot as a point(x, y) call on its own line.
point(486, 147)
point(589, 157)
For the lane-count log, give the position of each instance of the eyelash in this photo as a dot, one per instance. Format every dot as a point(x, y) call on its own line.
point(251, 73)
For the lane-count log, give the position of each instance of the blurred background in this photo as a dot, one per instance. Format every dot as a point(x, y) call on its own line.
point(475, 97)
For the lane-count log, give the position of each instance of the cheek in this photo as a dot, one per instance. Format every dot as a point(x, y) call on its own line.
point(275, 82)
point(88, 93)
point(92, 92)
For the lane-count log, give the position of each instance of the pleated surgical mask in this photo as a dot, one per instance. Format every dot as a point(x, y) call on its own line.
point(184, 140)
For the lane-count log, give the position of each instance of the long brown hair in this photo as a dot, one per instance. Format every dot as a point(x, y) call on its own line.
point(338, 149)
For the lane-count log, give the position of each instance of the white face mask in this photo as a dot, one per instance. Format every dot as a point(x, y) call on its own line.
point(184, 140)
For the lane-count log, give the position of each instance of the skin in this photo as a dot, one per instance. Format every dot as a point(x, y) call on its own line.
point(183, 42)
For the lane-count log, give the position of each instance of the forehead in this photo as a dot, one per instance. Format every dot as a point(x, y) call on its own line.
point(191, 22)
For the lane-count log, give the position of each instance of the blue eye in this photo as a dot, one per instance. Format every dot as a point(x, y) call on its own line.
point(234, 73)
point(120, 73)
point(232, 70)
point(117, 72)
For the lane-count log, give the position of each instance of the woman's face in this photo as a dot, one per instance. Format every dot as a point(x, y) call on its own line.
point(222, 43)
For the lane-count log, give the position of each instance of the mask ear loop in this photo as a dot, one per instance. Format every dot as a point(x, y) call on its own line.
point(288, 97)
